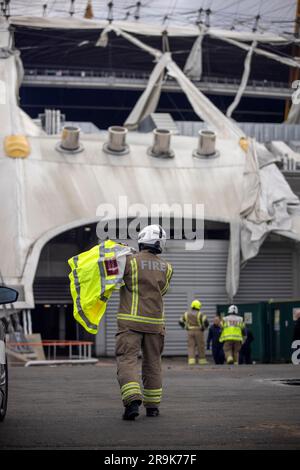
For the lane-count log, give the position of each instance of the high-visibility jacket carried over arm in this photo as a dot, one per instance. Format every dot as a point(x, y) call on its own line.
point(194, 320)
point(233, 328)
point(94, 276)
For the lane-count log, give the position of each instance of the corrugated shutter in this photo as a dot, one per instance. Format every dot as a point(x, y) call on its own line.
point(268, 276)
point(198, 274)
point(52, 290)
point(111, 323)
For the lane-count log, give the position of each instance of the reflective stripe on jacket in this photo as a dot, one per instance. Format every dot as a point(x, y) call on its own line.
point(232, 328)
point(94, 276)
point(195, 320)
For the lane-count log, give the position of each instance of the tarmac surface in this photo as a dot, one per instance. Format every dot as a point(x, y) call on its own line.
point(205, 407)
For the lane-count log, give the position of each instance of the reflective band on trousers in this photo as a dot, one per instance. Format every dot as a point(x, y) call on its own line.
point(130, 389)
point(140, 319)
point(152, 395)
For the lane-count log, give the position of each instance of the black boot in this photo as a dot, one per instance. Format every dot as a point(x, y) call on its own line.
point(152, 412)
point(131, 410)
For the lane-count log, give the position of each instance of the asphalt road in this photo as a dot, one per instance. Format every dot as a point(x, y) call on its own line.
point(79, 407)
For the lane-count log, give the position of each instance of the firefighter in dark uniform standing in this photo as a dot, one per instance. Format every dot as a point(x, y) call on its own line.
point(141, 324)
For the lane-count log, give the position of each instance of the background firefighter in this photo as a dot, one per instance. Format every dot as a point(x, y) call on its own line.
point(233, 330)
point(195, 322)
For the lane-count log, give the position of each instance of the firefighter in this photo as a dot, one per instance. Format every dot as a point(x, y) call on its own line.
point(195, 322)
point(141, 323)
point(233, 330)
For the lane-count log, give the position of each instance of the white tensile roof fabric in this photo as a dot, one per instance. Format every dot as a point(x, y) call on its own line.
point(146, 29)
point(50, 192)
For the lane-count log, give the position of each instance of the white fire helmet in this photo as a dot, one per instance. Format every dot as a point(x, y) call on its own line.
point(233, 309)
point(153, 236)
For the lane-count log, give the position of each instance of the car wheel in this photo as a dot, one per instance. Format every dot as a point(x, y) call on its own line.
point(3, 390)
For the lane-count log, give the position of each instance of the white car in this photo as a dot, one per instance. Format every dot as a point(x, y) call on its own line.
point(7, 296)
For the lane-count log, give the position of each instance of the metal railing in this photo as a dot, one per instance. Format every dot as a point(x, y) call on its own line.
point(84, 348)
point(140, 75)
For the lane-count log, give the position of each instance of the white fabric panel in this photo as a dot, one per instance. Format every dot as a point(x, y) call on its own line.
point(294, 114)
point(244, 81)
point(267, 54)
point(267, 207)
point(146, 28)
point(11, 122)
point(203, 107)
point(149, 99)
point(2, 353)
point(193, 65)
point(13, 119)
point(233, 262)
point(103, 40)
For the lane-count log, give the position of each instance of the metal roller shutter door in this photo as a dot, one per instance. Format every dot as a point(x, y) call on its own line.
point(268, 276)
point(196, 274)
point(52, 290)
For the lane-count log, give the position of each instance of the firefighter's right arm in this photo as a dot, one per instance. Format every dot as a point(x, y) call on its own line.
point(182, 321)
point(169, 275)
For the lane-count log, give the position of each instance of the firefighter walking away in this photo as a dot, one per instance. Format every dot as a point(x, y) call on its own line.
point(233, 330)
point(195, 322)
point(141, 324)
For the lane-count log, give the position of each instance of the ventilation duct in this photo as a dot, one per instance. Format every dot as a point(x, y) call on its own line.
point(206, 145)
point(116, 144)
point(162, 144)
point(70, 142)
point(52, 121)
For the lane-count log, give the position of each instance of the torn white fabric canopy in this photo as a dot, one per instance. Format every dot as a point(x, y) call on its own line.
point(202, 106)
point(193, 65)
point(149, 99)
point(147, 29)
point(294, 114)
point(244, 81)
point(267, 54)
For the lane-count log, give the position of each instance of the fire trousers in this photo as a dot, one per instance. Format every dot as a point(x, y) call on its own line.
point(196, 343)
point(128, 346)
point(231, 350)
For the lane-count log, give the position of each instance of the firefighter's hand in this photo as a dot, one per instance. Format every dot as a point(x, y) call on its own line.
point(181, 323)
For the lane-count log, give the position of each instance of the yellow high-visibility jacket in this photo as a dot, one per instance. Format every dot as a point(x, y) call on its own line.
point(233, 328)
point(94, 276)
